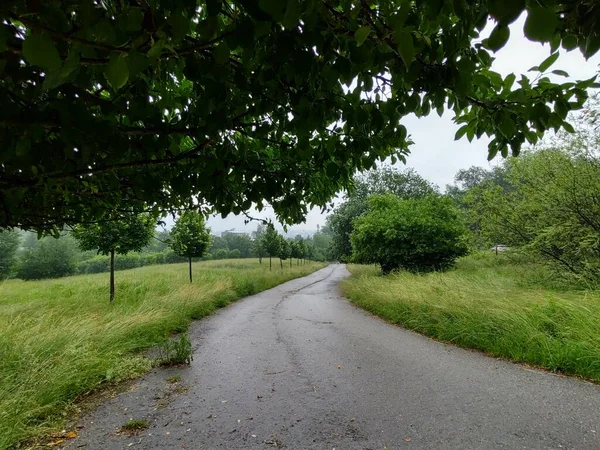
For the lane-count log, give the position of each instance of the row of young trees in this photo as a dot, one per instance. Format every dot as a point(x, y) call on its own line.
point(272, 244)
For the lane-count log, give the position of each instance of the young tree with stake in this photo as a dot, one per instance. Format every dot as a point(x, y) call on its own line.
point(190, 237)
point(121, 236)
point(270, 243)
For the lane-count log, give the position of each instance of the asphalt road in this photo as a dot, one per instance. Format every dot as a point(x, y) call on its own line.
point(298, 367)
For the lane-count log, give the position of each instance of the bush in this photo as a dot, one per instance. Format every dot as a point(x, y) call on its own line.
point(419, 235)
point(97, 264)
point(221, 253)
point(48, 258)
point(235, 254)
point(172, 258)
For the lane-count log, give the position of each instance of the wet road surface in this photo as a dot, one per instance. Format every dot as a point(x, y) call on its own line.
point(298, 367)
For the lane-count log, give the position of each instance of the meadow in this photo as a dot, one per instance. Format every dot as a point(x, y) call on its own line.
point(501, 306)
point(61, 339)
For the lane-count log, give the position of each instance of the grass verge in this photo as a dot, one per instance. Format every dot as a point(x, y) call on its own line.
point(61, 339)
point(492, 304)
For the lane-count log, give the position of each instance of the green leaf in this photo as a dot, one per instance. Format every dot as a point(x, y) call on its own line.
point(567, 126)
point(541, 24)
point(506, 11)
point(156, 49)
point(4, 36)
point(592, 45)
point(292, 15)
point(39, 50)
point(461, 132)
point(569, 42)
point(498, 38)
point(561, 73)
point(406, 47)
point(507, 128)
point(221, 53)
point(272, 7)
point(180, 25)
point(117, 70)
point(547, 63)
point(137, 62)
point(492, 152)
point(361, 35)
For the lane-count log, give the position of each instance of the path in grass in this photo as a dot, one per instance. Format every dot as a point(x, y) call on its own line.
point(61, 338)
point(301, 368)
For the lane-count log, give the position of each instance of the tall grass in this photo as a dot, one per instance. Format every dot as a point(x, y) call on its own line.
point(60, 338)
point(507, 309)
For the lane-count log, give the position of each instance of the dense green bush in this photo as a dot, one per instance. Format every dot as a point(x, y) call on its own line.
point(420, 235)
point(48, 258)
point(221, 253)
point(235, 254)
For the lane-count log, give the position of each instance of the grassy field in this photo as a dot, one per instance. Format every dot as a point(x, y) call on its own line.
point(60, 339)
point(488, 303)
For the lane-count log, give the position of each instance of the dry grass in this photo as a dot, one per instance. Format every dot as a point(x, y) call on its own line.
point(488, 303)
point(60, 339)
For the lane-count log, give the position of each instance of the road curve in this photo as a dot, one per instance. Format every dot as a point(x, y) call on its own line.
point(299, 367)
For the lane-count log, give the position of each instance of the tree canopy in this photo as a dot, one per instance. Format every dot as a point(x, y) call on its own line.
point(407, 184)
point(190, 237)
point(421, 234)
point(110, 106)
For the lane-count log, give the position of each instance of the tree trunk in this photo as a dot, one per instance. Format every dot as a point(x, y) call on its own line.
point(281, 262)
point(290, 262)
point(270, 264)
point(190, 259)
point(112, 275)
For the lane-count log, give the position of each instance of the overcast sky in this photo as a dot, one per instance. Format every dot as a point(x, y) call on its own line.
point(435, 155)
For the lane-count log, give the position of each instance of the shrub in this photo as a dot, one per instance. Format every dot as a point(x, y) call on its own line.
point(176, 351)
point(235, 254)
point(48, 258)
point(419, 235)
point(221, 253)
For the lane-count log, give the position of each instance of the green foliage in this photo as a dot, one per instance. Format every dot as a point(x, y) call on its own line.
point(505, 308)
point(49, 258)
point(271, 241)
point(175, 351)
point(134, 426)
point(9, 243)
point(221, 253)
point(234, 254)
point(240, 242)
point(189, 236)
point(418, 235)
point(111, 106)
point(127, 234)
point(285, 249)
point(404, 184)
point(549, 210)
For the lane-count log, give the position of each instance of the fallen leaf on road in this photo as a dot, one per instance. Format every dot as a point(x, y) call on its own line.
point(408, 439)
point(55, 443)
point(71, 435)
point(339, 367)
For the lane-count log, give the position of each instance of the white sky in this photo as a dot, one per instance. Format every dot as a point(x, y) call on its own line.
point(435, 155)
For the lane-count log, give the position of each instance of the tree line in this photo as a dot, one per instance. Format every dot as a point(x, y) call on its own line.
point(133, 241)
